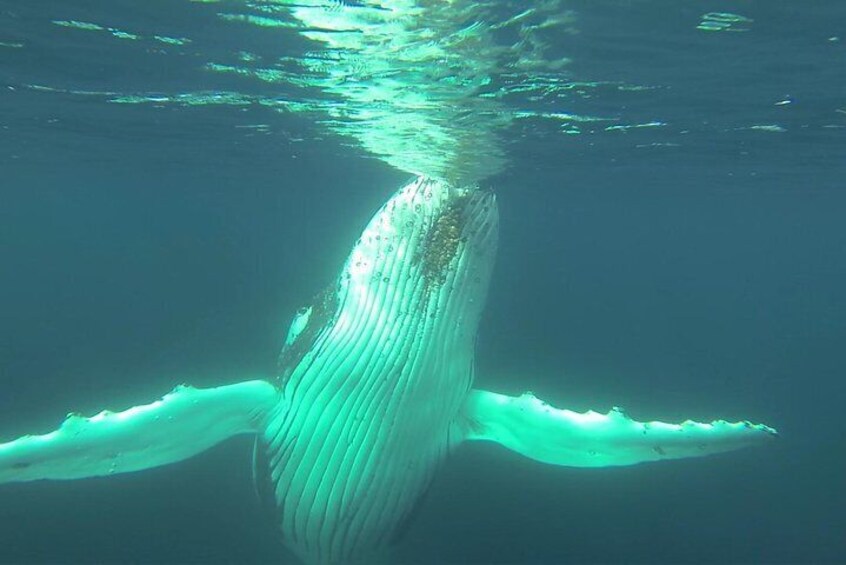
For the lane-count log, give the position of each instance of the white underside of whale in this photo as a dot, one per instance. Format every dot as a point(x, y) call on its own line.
point(374, 391)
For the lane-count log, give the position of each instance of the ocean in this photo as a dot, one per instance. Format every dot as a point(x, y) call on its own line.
point(670, 178)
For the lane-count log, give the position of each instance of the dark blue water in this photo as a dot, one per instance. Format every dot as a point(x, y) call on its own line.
point(690, 270)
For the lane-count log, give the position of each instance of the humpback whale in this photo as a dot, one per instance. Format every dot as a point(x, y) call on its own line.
point(374, 390)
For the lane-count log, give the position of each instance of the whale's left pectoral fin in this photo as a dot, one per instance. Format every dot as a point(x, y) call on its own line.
point(532, 428)
point(183, 423)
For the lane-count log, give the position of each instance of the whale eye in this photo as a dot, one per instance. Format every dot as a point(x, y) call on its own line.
point(298, 324)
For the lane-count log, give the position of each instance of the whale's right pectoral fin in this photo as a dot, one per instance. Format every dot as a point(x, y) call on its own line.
point(532, 428)
point(184, 423)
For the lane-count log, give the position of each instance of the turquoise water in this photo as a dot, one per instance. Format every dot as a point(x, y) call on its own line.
point(177, 181)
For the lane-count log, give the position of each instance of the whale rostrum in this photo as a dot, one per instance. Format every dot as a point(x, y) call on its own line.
point(373, 392)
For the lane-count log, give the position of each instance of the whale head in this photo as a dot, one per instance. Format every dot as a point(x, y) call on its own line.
point(422, 265)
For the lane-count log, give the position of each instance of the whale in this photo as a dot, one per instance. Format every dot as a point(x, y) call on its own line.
point(373, 391)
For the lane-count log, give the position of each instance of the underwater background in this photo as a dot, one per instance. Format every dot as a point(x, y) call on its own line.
point(673, 241)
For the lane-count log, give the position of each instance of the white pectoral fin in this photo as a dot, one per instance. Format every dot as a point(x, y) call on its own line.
point(183, 423)
point(532, 428)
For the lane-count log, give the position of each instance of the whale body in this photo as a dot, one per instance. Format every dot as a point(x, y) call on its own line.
point(374, 389)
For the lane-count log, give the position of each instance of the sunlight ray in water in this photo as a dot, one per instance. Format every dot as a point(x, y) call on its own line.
point(419, 84)
point(425, 86)
point(449, 89)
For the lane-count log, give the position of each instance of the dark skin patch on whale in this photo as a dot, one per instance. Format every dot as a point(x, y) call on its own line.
point(440, 244)
point(323, 309)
